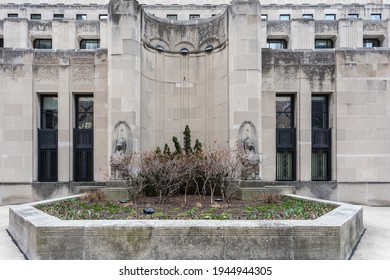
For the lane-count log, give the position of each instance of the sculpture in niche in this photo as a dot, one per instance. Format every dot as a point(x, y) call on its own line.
point(121, 151)
point(248, 151)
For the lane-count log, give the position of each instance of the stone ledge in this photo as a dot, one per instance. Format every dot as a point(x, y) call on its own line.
point(41, 236)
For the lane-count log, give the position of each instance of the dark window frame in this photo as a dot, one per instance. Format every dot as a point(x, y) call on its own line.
point(194, 16)
point(1, 42)
point(78, 113)
point(40, 43)
point(12, 15)
point(58, 16)
point(81, 17)
point(264, 16)
point(376, 43)
point(327, 16)
point(376, 15)
point(353, 15)
point(103, 16)
point(328, 43)
point(35, 16)
point(308, 16)
point(281, 42)
point(48, 112)
point(84, 42)
point(284, 17)
point(172, 16)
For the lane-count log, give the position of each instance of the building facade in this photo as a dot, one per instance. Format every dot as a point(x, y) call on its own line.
point(313, 79)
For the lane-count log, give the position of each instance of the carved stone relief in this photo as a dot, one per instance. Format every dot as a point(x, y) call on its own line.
point(373, 26)
point(83, 68)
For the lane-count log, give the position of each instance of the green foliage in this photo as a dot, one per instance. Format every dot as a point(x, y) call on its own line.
point(197, 147)
point(187, 140)
point(158, 151)
point(167, 151)
point(178, 148)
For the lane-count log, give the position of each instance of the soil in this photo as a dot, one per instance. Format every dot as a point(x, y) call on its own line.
point(196, 207)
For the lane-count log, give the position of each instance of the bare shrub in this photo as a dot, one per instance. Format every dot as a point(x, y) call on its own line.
point(94, 196)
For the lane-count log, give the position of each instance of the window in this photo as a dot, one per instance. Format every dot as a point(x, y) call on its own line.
point(277, 44)
point(353, 15)
point(90, 44)
point(84, 112)
point(284, 17)
point(81, 17)
point(172, 16)
point(376, 16)
point(58, 16)
point(49, 113)
point(285, 138)
point(48, 140)
point(103, 17)
point(193, 17)
point(35, 16)
point(1, 43)
point(371, 43)
point(330, 17)
point(264, 16)
point(324, 44)
point(321, 139)
point(12, 15)
point(42, 44)
point(307, 16)
point(83, 139)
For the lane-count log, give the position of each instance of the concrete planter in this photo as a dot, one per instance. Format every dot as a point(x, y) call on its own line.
point(41, 236)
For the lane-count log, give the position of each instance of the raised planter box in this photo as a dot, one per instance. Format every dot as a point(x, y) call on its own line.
point(41, 236)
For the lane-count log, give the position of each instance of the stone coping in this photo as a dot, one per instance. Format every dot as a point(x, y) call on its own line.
point(41, 236)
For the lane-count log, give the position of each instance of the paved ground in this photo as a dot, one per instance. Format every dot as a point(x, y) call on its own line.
point(374, 245)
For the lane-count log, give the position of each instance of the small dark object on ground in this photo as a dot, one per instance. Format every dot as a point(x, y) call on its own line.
point(148, 211)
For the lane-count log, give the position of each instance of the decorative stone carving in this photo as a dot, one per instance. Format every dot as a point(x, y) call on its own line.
point(278, 27)
point(326, 26)
point(373, 26)
point(88, 26)
point(248, 151)
point(47, 72)
point(83, 68)
point(122, 146)
point(176, 33)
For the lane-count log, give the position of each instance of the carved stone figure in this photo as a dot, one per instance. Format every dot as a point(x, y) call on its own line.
point(250, 161)
point(248, 151)
point(121, 151)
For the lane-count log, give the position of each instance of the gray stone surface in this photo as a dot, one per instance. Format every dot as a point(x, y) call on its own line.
point(41, 236)
point(8, 249)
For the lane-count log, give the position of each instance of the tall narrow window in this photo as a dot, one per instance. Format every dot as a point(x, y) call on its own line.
point(47, 140)
point(83, 139)
point(321, 139)
point(285, 138)
point(1, 43)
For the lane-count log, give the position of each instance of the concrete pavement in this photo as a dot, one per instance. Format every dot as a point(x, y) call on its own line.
point(374, 244)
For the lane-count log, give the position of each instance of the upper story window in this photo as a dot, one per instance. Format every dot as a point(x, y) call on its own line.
point(81, 17)
point(324, 44)
point(193, 17)
point(103, 17)
point(58, 16)
point(35, 16)
point(353, 15)
point(284, 17)
point(277, 44)
point(1, 43)
point(172, 16)
point(89, 44)
point(376, 16)
point(371, 43)
point(330, 17)
point(264, 16)
point(42, 44)
point(307, 16)
point(12, 15)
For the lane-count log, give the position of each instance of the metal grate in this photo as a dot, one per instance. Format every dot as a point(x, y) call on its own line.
point(321, 155)
point(83, 155)
point(47, 155)
point(285, 154)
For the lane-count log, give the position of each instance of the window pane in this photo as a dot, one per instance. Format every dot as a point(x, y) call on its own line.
point(307, 16)
point(174, 17)
point(319, 109)
point(1, 43)
point(85, 112)
point(376, 16)
point(323, 44)
point(103, 17)
point(42, 44)
point(12, 15)
point(284, 166)
point(58, 16)
point(353, 15)
point(284, 17)
point(277, 44)
point(36, 16)
point(193, 17)
point(371, 43)
point(81, 17)
point(49, 112)
point(264, 16)
point(284, 112)
point(330, 17)
point(90, 44)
